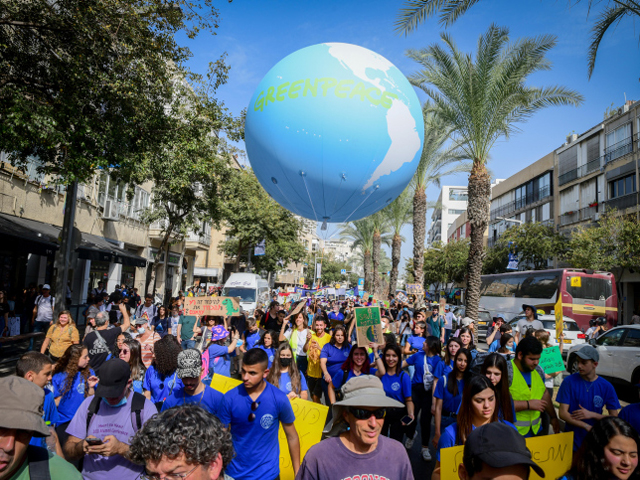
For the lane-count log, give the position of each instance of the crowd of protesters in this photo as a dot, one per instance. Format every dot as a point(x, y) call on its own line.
point(131, 397)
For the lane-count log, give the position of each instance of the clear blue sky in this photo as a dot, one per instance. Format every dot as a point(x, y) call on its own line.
point(257, 34)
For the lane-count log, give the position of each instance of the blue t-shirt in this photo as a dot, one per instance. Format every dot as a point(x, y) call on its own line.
point(631, 414)
point(50, 416)
point(335, 357)
point(448, 437)
point(336, 316)
point(450, 402)
point(209, 399)
point(446, 369)
point(160, 387)
point(594, 396)
point(271, 352)
point(416, 341)
point(220, 360)
point(251, 339)
point(397, 386)
point(71, 400)
point(495, 345)
point(417, 360)
point(337, 378)
point(284, 383)
point(255, 442)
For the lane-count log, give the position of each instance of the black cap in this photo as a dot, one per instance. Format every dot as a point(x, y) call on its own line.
point(499, 446)
point(114, 376)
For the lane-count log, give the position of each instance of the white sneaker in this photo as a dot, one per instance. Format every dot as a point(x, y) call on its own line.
point(426, 455)
point(408, 442)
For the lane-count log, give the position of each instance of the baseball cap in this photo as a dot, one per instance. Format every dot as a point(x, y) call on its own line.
point(589, 353)
point(114, 376)
point(22, 406)
point(499, 446)
point(46, 286)
point(189, 364)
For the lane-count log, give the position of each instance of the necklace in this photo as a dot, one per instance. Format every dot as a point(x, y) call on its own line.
point(588, 384)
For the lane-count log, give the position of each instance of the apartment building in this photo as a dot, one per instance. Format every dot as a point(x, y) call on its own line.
point(293, 273)
point(451, 202)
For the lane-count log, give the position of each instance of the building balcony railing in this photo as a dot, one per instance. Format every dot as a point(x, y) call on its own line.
point(623, 202)
point(582, 171)
point(525, 201)
point(202, 238)
point(618, 150)
point(583, 215)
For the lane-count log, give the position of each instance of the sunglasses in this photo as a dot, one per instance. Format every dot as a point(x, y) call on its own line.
point(362, 414)
point(254, 407)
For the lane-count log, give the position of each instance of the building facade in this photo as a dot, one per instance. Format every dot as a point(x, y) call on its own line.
point(452, 202)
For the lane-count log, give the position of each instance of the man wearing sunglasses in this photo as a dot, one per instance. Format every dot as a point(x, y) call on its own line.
point(355, 448)
point(254, 412)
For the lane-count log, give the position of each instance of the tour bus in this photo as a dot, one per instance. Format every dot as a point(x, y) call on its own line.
point(251, 290)
point(586, 294)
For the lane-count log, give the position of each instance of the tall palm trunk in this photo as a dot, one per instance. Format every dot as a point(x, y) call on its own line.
point(419, 229)
point(396, 245)
point(478, 214)
point(367, 270)
point(376, 262)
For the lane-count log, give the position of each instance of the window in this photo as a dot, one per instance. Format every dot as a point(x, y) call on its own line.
point(633, 338)
point(591, 288)
point(593, 153)
point(536, 285)
point(610, 338)
point(455, 212)
point(622, 186)
point(568, 164)
point(619, 142)
point(457, 194)
point(539, 286)
point(567, 326)
point(544, 185)
point(546, 212)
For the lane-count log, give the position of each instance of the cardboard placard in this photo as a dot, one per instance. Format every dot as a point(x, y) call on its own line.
point(559, 317)
point(368, 326)
point(402, 297)
point(414, 288)
point(221, 306)
point(443, 304)
point(553, 453)
point(551, 360)
point(309, 423)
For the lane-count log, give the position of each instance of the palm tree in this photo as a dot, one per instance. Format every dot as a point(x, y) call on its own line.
point(381, 226)
point(416, 12)
point(399, 213)
point(360, 233)
point(483, 99)
point(436, 162)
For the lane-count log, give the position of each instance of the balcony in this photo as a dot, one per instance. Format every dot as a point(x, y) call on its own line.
point(582, 171)
point(618, 150)
point(523, 202)
point(198, 240)
point(583, 215)
point(568, 218)
point(623, 202)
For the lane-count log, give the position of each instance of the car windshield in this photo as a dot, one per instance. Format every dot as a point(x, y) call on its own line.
point(245, 294)
point(568, 326)
point(484, 316)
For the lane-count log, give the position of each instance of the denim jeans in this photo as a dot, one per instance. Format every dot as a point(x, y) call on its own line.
point(188, 344)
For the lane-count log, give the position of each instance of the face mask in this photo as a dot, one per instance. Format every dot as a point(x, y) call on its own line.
point(285, 362)
point(119, 404)
point(140, 330)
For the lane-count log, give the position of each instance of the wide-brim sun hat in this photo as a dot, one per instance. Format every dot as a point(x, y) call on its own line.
point(361, 391)
point(22, 406)
point(219, 333)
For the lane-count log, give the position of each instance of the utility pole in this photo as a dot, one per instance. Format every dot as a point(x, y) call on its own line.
point(63, 256)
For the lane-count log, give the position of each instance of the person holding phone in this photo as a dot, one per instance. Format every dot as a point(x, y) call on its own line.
point(99, 341)
point(397, 385)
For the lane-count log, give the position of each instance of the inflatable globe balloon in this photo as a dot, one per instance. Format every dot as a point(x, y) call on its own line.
point(334, 132)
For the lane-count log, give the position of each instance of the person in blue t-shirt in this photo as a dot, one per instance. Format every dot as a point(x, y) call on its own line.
point(334, 353)
point(161, 323)
point(448, 392)
point(160, 379)
point(251, 336)
point(495, 369)
point(503, 330)
point(416, 339)
point(285, 375)
point(397, 385)
point(254, 412)
point(356, 364)
point(631, 414)
point(422, 390)
point(193, 390)
point(478, 408)
point(220, 354)
point(453, 345)
point(336, 315)
point(583, 396)
point(268, 342)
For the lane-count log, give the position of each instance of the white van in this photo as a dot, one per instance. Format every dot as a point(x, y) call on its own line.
point(252, 290)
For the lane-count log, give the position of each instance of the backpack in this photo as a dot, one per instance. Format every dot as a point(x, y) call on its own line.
point(38, 463)
point(339, 395)
point(137, 405)
point(427, 377)
point(40, 297)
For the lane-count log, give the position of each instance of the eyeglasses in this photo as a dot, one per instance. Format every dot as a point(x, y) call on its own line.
point(362, 414)
point(170, 476)
point(254, 407)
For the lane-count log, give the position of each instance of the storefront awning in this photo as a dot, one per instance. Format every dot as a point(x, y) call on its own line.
point(93, 247)
point(21, 235)
point(205, 272)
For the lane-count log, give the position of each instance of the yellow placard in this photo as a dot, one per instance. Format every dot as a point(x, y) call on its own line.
point(309, 423)
point(559, 317)
point(576, 282)
point(553, 453)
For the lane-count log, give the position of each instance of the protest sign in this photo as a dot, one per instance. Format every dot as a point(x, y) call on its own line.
point(222, 306)
point(443, 304)
point(552, 452)
point(414, 288)
point(309, 423)
point(402, 297)
point(368, 326)
point(559, 317)
point(551, 360)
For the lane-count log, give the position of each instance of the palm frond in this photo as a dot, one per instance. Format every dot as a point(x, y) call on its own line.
point(609, 16)
point(416, 12)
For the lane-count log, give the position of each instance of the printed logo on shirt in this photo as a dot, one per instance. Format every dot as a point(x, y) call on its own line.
point(80, 388)
point(289, 386)
point(271, 358)
point(99, 346)
point(266, 421)
point(598, 402)
point(395, 386)
point(345, 352)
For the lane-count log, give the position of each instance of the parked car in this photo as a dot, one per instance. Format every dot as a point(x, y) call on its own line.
point(619, 350)
point(484, 320)
point(572, 333)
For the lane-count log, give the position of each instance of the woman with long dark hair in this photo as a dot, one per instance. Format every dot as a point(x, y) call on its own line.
point(297, 337)
point(356, 364)
point(495, 369)
point(609, 451)
point(465, 335)
point(131, 352)
point(448, 393)
point(160, 378)
point(397, 385)
point(507, 346)
point(285, 374)
point(268, 342)
point(334, 354)
point(161, 322)
point(478, 408)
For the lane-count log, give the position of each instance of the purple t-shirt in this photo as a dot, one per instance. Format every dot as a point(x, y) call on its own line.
point(119, 422)
point(331, 459)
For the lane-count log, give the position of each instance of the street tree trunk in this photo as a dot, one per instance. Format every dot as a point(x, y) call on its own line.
point(376, 262)
point(419, 229)
point(478, 214)
point(156, 261)
point(367, 270)
point(396, 246)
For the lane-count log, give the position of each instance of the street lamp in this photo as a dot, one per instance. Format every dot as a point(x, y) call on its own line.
point(512, 220)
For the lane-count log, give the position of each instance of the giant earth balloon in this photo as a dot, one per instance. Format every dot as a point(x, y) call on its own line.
point(334, 132)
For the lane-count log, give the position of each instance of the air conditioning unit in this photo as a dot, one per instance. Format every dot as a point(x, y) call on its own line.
point(110, 211)
point(621, 111)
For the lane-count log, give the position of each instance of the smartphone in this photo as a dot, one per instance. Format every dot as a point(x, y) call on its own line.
point(406, 420)
point(93, 441)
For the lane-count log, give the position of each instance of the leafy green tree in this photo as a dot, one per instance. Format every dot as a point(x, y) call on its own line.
point(360, 233)
point(399, 213)
point(416, 12)
point(483, 99)
point(445, 263)
point(331, 273)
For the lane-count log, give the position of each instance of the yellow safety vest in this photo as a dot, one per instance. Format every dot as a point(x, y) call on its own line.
point(526, 419)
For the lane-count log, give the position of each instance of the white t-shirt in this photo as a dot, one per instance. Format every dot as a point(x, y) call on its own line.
point(524, 325)
point(45, 308)
point(302, 339)
point(174, 324)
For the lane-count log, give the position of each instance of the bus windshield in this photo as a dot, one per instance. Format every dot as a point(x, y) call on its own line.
point(245, 294)
point(591, 288)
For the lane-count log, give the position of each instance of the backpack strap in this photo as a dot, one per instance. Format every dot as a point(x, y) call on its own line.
point(137, 405)
point(38, 458)
point(93, 409)
point(345, 375)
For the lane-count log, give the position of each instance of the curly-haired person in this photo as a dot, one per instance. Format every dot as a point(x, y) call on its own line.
point(184, 441)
